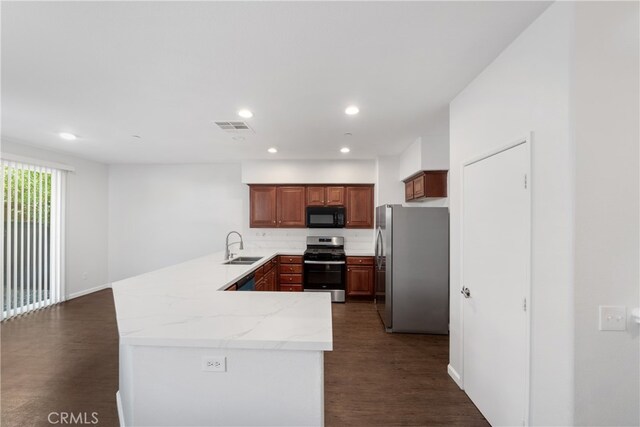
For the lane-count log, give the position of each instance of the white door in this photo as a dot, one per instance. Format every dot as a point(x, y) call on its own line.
point(495, 270)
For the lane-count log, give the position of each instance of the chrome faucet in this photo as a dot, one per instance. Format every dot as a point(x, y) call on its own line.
point(227, 254)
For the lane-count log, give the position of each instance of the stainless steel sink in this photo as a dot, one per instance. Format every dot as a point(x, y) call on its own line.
point(243, 260)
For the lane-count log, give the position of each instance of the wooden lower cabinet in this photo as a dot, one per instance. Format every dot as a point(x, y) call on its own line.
point(289, 279)
point(360, 276)
point(290, 273)
point(290, 268)
point(290, 259)
point(266, 276)
point(260, 284)
point(270, 280)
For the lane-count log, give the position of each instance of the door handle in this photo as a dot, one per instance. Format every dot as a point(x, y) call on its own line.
point(466, 292)
point(378, 248)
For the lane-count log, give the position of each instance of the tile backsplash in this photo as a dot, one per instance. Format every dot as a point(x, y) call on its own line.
point(296, 238)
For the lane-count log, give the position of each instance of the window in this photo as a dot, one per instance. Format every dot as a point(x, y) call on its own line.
point(33, 220)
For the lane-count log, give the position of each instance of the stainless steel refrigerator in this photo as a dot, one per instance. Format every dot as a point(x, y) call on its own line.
point(412, 268)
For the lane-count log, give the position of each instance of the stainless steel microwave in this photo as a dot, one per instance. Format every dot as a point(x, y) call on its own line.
point(325, 217)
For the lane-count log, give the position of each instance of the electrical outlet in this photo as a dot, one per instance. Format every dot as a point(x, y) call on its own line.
point(613, 318)
point(214, 364)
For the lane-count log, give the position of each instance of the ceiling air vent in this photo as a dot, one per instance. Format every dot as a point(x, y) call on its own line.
point(235, 127)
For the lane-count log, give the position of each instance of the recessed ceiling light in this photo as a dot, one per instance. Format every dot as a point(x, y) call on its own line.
point(245, 114)
point(345, 149)
point(352, 110)
point(68, 136)
point(272, 150)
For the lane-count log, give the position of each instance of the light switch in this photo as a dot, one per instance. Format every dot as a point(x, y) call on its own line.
point(613, 318)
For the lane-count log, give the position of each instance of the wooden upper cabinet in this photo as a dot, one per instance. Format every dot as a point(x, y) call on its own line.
point(262, 202)
point(418, 187)
point(408, 190)
point(334, 196)
point(426, 184)
point(316, 196)
point(291, 206)
point(325, 195)
point(359, 206)
point(284, 206)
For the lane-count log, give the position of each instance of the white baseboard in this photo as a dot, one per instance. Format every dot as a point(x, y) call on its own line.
point(88, 291)
point(120, 412)
point(455, 375)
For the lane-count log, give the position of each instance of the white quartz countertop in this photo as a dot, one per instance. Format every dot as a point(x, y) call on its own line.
point(185, 305)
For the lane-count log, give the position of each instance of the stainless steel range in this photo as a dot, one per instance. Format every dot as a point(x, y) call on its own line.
point(325, 266)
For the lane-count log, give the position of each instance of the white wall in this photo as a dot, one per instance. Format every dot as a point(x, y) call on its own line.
point(160, 215)
point(410, 161)
point(527, 89)
point(390, 189)
point(606, 239)
point(435, 150)
point(86, 218)
point(309, 171)
point(429, 152)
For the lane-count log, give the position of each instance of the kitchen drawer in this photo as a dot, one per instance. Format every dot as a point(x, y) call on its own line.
point(274, 261)
point(290, 288)
point(287, 279)
point(359, 260)
point(290, 259)
point(290, 268)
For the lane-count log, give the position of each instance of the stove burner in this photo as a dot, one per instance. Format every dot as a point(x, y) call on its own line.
point(325, 249)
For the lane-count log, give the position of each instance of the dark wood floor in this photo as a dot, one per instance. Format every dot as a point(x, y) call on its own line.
point(65, 359)
point(374, 378)
point(61, 359)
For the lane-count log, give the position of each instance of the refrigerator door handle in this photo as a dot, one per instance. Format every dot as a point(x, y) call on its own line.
point(379, 248)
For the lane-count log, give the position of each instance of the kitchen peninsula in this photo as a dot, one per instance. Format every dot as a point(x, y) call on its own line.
point(191, 354)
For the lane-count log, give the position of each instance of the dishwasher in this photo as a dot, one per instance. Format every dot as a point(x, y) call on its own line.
point(247, 283)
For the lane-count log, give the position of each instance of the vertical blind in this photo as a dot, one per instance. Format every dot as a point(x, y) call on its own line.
point(33, 219)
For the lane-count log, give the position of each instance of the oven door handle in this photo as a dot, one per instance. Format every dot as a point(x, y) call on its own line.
point(326, 262)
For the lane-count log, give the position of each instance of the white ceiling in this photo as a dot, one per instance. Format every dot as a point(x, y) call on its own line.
point(167, 70)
